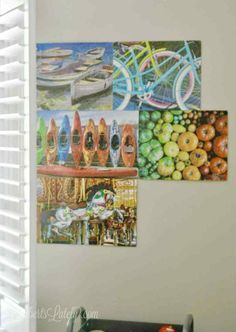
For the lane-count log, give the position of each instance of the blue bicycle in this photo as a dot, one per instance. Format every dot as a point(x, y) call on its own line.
point(158, 77)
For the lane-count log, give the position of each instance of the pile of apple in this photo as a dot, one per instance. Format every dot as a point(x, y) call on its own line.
point(188, 145)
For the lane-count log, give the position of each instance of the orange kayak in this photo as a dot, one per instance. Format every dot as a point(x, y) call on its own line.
point(51, 142)
point(76, 139)
point(128, 146)
point(103, 142)
point(89, 142)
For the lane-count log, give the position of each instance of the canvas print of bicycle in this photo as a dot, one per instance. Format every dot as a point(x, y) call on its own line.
point(87, 211)
point(183, 145)
point(157, 75)
point(74, 76)
point(87, 144)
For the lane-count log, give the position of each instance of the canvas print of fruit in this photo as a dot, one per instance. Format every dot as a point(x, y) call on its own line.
point(87, 211)
point(183, 145)
point(74, 76)
point(87, 144)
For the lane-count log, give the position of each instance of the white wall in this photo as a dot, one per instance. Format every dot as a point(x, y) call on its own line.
point(185, 259)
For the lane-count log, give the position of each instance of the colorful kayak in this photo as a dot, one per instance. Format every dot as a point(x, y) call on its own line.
point(76, 139)
point(128, 146)
point(64, 140)
point(51, 142)
point(41, 140)
point(89, 142)
point(103, 142)
point(115, 143)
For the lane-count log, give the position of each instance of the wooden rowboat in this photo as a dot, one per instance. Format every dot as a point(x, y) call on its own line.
point(64, 140)
point(41, 140)
point(103, 142)
point(128, 146)
point(115, 143)
point(91, 84)
point(76, 139)
point(55, 52)
point(67, 74)
point(89, 142)
point(51, 142)
point(95, 53)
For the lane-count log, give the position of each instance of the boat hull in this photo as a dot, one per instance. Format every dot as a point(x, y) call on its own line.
point(41, 140)
point(115, 143)
point(103, 142)
point(128, 146)
point(90, 85)
point(89, 142)
point(76, 139)
point(96, 53)
point(51, 142)
point(71, 72)
point(64, 140)
point(54, 53)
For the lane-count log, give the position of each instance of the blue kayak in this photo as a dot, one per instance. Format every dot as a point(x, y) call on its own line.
point(64, 140)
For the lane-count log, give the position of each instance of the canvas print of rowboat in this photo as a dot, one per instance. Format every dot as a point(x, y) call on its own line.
point(151, 75)
point(74, 76)
point(87, 211)
point(87, 144)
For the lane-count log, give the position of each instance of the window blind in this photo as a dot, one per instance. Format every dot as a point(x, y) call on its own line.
point(14, 153)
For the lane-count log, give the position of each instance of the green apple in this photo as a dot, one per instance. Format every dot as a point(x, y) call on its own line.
point(145, 135)
point(155, 155)
point(145, 149)
point(163, 137)
point(157, 129)
point(150, 125)
point(155, 116)
point(166, 166)
point(155, 143)
point(171, 149)
point(167, 127)
point(144, 116)
point(177, 175)
point(168, 117)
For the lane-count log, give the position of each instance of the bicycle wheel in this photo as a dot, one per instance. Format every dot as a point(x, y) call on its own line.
point(122, 86)
point(162, 95)
point(189, 98)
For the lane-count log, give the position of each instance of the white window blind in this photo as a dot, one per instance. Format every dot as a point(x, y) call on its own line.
point(14, 154)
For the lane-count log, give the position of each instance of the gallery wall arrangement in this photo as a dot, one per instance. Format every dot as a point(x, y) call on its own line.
point(108, 114)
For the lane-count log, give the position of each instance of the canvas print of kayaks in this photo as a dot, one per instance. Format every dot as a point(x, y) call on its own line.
point(87, 143)
point(74, 76)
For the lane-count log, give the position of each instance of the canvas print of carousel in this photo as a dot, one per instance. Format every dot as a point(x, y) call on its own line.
point(87, 211)
point(87, 144)
point(74, 76)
